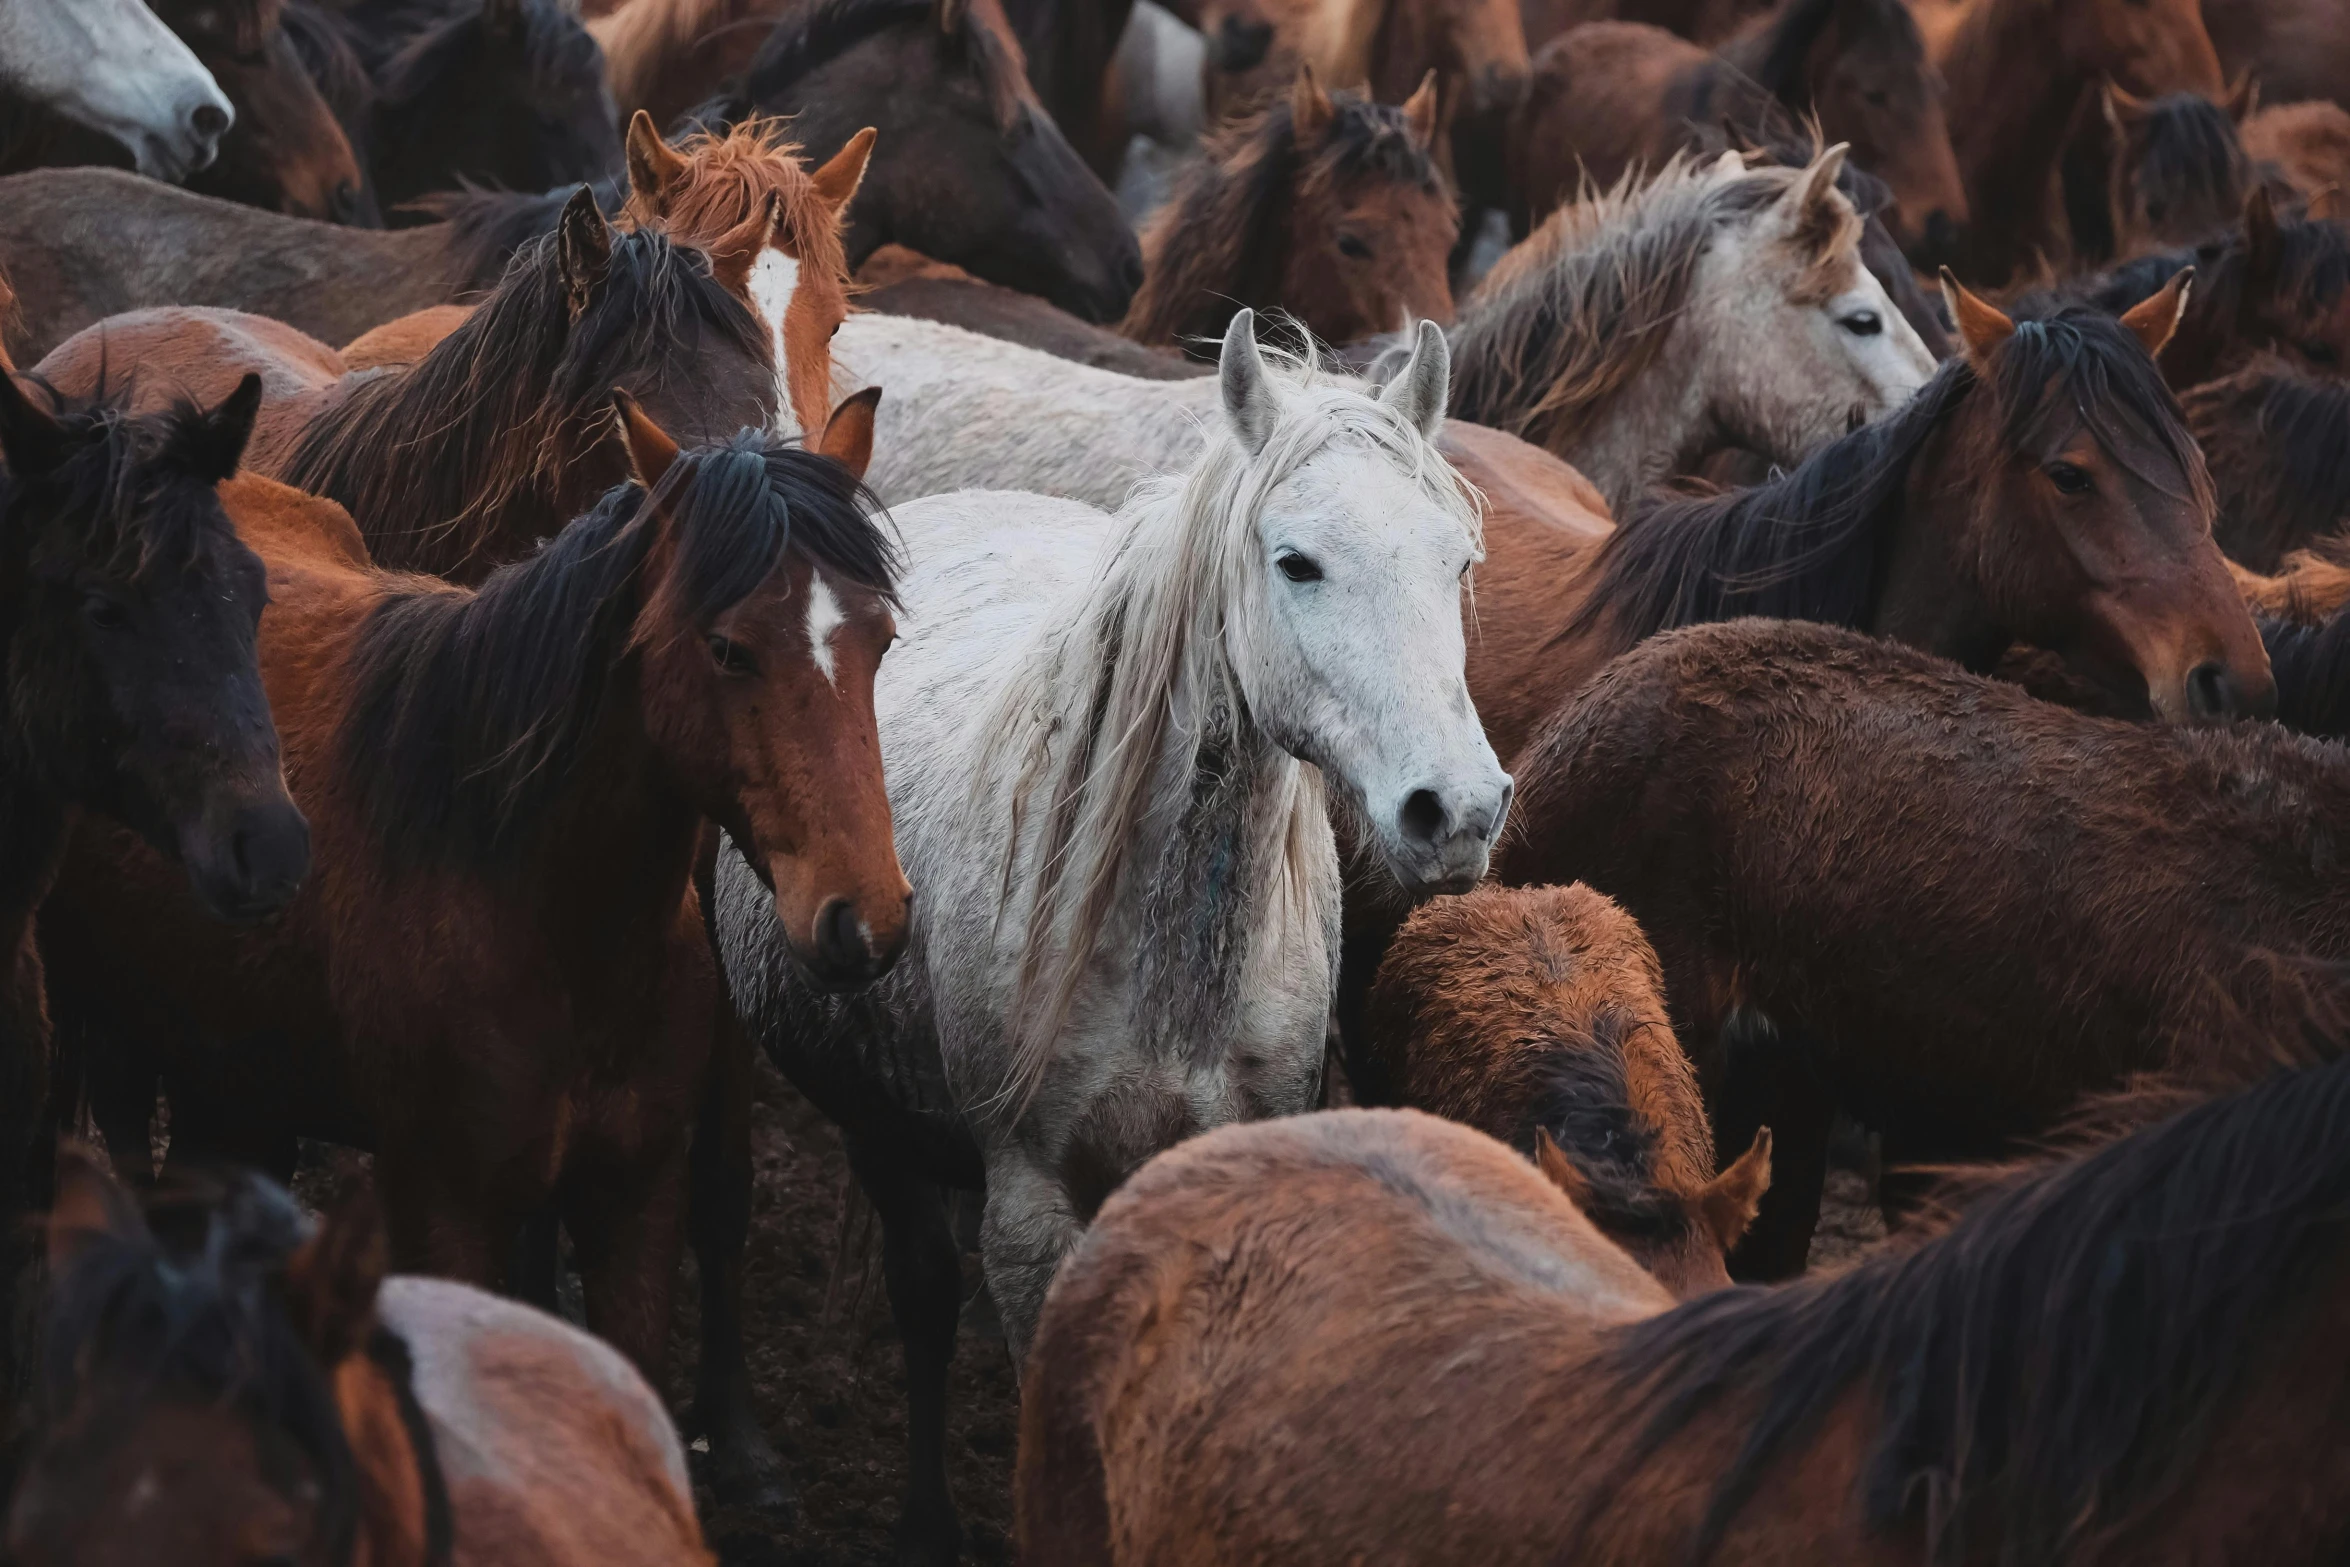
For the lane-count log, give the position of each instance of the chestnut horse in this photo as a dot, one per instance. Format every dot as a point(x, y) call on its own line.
point(128, 689)
point(1537, 1015)
point(498, 977)
point(259, 1390)
point(1329, 207)
point(2278, 443)
point(2019, 71)
point(1373, 1336)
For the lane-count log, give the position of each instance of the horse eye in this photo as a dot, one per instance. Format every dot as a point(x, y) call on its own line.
point(1862, 323)
point(1298, 568)
point(103, 612)
point(732, 657)
point(2318, 353)
point(1349, 245)
point(2069, 479)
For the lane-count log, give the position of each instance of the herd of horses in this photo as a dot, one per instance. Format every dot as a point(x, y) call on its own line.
point(1387, 749)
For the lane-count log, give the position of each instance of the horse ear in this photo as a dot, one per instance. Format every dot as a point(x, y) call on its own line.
point(1419, 111)
point(1249, 399)
point(2243, 99)
point(2263, 244)
point(332, 1279)
point(1310, 108)
point(650, 450)
point(848, 434)
point(90, 1206)
point(1419, 393)
point(212, 446)
point(837, 181)
point(2122, 110)
point(1726, 1205)
point(583, 248)
point(32, 440)
point(950, 16)
point(1982, 326)
point(2153, 320)
point(1560, 1170)
point(733, 253)
point(1817, 213)
point(654, 167)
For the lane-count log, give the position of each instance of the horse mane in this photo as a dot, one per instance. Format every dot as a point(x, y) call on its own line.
point(472, 709)
point(729, 170)
point(2312, 668)
point(210, 1321)
point(2188, 148)
point(814, 36)
point(2278, 442)
point(1223, 225)
point(1583, 306)
point(509, 396)
point(556, 49)
point(1581, 1098)
point(1080, 729)
point(2045, 1372)
point(1805, 545)
point(140, 484)
point(2313, 265)
point(487, 228)
point(334, 64)
point(1780, 49)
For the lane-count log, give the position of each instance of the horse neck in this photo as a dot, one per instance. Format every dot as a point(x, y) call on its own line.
point(1657, 424)
point(2011, 99)
point(1925, 595)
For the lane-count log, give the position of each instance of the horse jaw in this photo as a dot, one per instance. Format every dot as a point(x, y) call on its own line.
point(112, 65)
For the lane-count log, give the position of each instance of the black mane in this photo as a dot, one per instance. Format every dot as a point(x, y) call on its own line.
point(142, 486)
point(2312, 668)
point(489, 228)
point(2045, 1373)
point(1805, 545)
point(473, 710)
point(2312, 265)
point(1582, 1101)
point(2278, 442)
point(2188, 154)
point(556, 50)
point(814, 36)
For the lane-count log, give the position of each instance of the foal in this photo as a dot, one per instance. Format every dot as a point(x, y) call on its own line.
point(1538, 1017)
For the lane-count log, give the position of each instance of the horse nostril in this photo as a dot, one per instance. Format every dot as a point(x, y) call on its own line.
point(1422, 816)
point(840, 940)
point(2210, 693)
point(209, 120)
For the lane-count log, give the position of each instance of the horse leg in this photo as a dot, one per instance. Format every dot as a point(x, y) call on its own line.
point(1029, 1225)
point(924, 1270)
point(1768, 1082)
point(627, 1223)
point(745, 1468)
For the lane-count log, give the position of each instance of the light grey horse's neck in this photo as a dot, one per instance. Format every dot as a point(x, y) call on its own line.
point(1660, 423)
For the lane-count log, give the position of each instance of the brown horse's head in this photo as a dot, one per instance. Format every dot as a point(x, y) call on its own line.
point(711, 183)
point(2178, 172)
point(2149, 47)
point(221, 1397)
point(2092, 497)
point(1682, 1238)
point(2293, 293)
point(767, 611)
point(286, 151)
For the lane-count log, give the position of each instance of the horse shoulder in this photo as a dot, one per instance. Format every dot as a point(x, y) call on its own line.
point(554, 1447)
point(188, 351)
point(401, 342)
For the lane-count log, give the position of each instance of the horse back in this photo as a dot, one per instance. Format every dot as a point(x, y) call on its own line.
point(200, 353)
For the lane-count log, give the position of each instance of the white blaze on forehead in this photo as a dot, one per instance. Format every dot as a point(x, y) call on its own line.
point(775, 277)
point(825, 616)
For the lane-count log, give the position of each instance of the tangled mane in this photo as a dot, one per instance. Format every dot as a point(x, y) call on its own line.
point(555, 49)
point(1806, 545)
point(1219, 240)
point(1582, 1099)
point(512, 399)
point(2046, 1372)
point(2278, 442)
point(1587, 303)
point(1080, 729)
point(2311, 267)
point(2312, 668)
point(473, 708)
point(2182, 157)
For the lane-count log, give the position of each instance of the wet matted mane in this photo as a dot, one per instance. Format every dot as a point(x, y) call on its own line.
point(2046, 1373)
point(1584, 306)
point(471, 710)
point(1805, 546)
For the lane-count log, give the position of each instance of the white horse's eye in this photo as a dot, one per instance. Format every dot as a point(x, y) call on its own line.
point(1862, 323)
point(1298, 568)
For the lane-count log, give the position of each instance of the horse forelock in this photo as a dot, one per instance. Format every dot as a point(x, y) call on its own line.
point(2082, 365)
point(1085, 731)
point(129, 479)
point(728, 172)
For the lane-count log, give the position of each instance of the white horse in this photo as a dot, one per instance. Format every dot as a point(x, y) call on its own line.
point(113, 66)
point(1108, 743)
point(1746, 316)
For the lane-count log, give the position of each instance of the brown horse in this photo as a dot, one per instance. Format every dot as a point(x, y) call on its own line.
point(259, 1390)
point(497, 976)
point(286, 150)
point(2305, 144)
point(1371, 1336)
point(1329, 207)
point(2179, 171)
point(1538, 1017)
point(2271, 282)
point(2019, 71)
point(2297, 49)
point(2278, 443)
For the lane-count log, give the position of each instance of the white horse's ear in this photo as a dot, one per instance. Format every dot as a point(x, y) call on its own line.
point(1420, 390)
point(1249, 399)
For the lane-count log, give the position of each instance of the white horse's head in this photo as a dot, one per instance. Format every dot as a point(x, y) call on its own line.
point(113, 66)
point(1798, 337)
point(1346, 635)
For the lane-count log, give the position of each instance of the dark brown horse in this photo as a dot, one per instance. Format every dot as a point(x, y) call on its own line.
point(969, 166)
point(2295, 49)
point(2178, 172)
point(286, 150)
point(1850, 838)
point(128, 689)
point(2278, 443)
point(1327, 206)
point(1537, 1015)
point(1370, 1336)
point(497, 977)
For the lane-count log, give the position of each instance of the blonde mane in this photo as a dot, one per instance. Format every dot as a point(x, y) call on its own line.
point(1086, 728)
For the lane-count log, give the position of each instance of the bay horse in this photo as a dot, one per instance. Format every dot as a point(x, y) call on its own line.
point(2272, 281)
point(260, 1389)
point(113, 66)
point(129, 690)
point(286, 150)
point(1767, 900)
point(2019, 72)
point(2277, 440)
point(700, 647)
point(1129, 919)
point(970, 168)
point(2179, 172)
point(2128, 1354)
point(1537, 1015)
point(1714, 304)
point(1329, 207)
